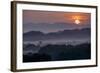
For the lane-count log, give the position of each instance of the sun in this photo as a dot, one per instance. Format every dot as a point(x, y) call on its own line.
point(77, 21)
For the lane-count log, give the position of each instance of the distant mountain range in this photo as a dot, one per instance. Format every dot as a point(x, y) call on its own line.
point(65, 34)
point(49, 27)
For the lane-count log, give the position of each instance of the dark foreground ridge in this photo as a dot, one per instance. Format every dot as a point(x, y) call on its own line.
point(59, 53)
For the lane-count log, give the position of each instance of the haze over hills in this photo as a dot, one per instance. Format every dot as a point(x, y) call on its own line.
point(56, 36)
point(64, 34)
point(49, 27)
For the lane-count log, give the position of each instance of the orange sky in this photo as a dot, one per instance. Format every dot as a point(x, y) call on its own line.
point(48, 21)
point(44, 16)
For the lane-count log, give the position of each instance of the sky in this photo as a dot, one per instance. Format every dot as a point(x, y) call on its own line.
point(52, 21)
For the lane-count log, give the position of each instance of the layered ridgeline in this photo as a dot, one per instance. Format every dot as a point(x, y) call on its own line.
point(77, 34)
point(62, 45)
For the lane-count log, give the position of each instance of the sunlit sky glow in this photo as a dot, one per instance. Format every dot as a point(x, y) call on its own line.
point(49, 21)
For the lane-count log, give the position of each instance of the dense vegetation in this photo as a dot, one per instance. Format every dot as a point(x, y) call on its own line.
point(59, 52)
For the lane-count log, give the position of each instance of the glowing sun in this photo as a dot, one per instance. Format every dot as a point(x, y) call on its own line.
point(77, 21)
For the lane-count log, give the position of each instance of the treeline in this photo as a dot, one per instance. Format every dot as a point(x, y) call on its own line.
point(60, 52)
